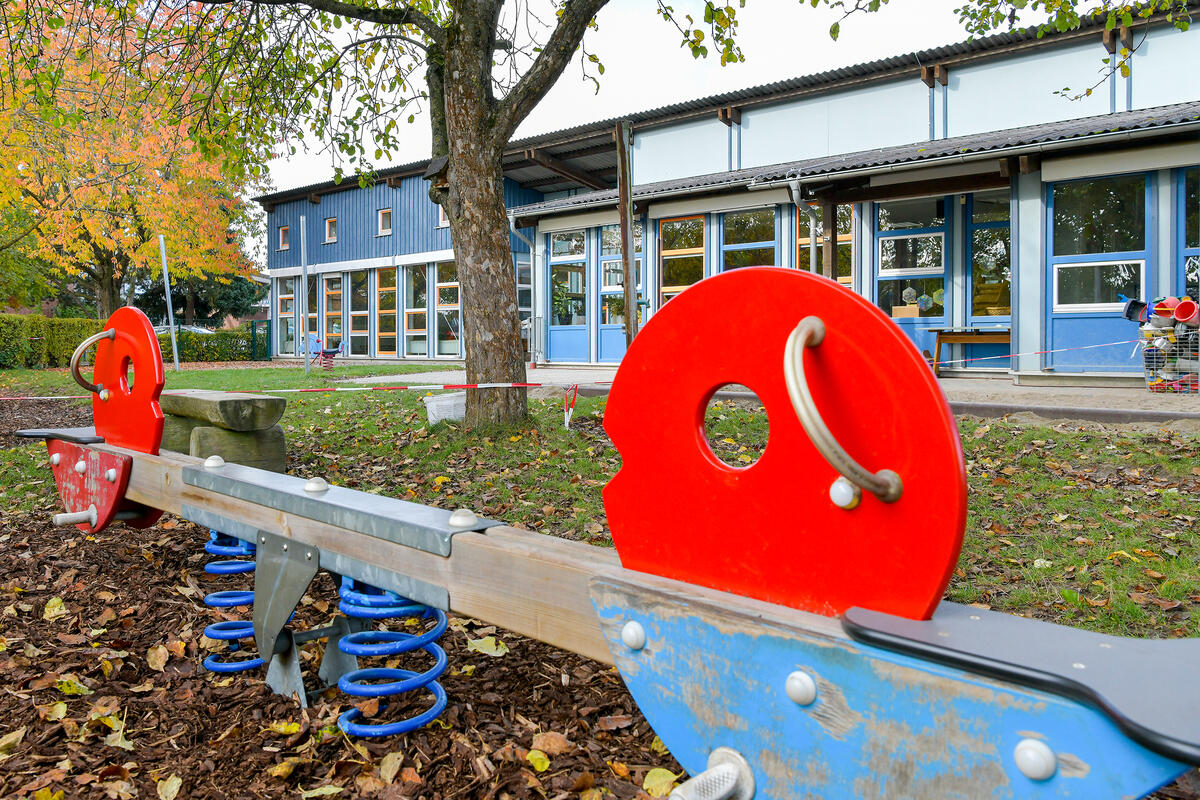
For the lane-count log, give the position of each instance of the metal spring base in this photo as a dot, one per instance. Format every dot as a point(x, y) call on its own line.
point(367, 602)
point(232, 631)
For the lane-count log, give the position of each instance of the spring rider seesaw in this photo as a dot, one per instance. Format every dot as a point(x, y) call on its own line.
point(780, 625)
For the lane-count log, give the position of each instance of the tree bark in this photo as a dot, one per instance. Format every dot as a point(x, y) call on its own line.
point(479, 227)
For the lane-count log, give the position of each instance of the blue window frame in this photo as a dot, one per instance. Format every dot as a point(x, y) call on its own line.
point(749, 239)
point(1188, 181)
point(567, 298)
point(910, 258)
point(989, 256)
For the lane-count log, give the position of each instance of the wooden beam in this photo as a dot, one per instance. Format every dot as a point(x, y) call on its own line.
point(941, 74)
point(1126, 37)
point(1008, 167)
point(553, 164)
point(1029, 164)
point(394, 182)
point(927, 76)
point(624, 134)
point(315, 199)
point(1109, 38)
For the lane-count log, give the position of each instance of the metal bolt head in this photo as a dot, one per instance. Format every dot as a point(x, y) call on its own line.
point(801, 689)
point(80, 466)
point(214, 462)
point(845, 494)
point(463, 518)
point(55, 459)
point(285, 547)
point(315, 485)
point(633, 635)
point(110, 475)
point(1035, 759)
point(308, 555)
point(104, 395)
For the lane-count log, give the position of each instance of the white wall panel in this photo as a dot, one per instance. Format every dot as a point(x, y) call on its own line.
point(698, 147)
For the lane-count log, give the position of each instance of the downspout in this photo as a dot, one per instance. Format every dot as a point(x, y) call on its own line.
point(794, 188)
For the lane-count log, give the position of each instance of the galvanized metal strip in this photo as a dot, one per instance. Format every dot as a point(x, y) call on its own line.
point(883, 725)
point(410, 524)
point(404, 585)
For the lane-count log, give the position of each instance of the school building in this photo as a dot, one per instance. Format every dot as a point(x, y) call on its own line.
point(964, 190)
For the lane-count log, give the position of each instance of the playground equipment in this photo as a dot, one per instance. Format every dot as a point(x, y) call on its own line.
point(780, 625)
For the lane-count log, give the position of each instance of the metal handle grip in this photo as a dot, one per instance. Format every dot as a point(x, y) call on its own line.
point(884, 484)
point(111, 333)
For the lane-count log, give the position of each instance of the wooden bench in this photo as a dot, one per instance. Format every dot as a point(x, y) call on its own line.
point(966, 336)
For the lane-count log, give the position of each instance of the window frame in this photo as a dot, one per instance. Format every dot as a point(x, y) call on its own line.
point(916, 272)
point(971, 227)
point(284, 240)
point(408, 333)
point(286, 316)
point(381, 313)
point(1186, 252)
point(879, 275)
point(443, 220)
point(664, 254)
point(803, 243)
point(328, 238)
point(773, 243)
point(331, 317)
point(379, 229)
point(1093, 308)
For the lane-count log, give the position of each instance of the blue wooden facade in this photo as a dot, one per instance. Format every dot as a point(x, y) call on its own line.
point(968, 191)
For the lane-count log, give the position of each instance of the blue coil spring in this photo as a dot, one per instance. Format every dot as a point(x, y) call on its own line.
point(232, 631)
point(362, 601)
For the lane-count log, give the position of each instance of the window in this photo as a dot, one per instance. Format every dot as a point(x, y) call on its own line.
point(524, 275)
point(1190, 225)
point(443, 220)
point(568, 294)
point(416, 310)
point(385, 222)
point(284, 237)
point(911, 257)
point(808, 239)
point(333, 312)
point(990, 242)
point(1099, 243)
point(331, 230)
point(285, 290)
point(312, 306)
point(449, 316)
point(612, 273)
point(385, 312)
point(360, 343)
point(681, 254)
point(748, 239)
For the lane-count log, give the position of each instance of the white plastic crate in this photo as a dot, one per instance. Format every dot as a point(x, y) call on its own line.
point(451, 406)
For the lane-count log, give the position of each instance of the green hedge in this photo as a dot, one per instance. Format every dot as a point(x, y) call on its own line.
point(31, 340)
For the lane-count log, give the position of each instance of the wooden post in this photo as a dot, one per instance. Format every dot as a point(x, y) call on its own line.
point(624, 137)
point(829, 238)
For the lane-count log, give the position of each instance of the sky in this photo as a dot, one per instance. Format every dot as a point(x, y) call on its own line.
point(645, 68)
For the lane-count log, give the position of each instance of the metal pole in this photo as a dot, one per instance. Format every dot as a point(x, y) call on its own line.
point(162, 249)
point(303, 326)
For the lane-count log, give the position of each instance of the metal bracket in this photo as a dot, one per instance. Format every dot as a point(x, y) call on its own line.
point(335, 663)
point(283, 669)
point(283, 571)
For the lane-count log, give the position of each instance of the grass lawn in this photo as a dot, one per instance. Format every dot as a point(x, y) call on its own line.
point(1087, 527)
point(252, 376)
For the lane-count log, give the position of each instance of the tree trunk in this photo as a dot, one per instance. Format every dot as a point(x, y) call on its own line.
point(108, 292)
point(189, 308)
point(479, 229)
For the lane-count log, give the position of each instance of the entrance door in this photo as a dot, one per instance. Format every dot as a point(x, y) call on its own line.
point(910, 265)
point(449, 311)
point(988, 247)
point(567, 339)
point(612, 290)
point(416, 310)
point(385, 312)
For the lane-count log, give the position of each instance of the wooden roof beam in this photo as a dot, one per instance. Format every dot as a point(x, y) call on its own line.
point(544, 159)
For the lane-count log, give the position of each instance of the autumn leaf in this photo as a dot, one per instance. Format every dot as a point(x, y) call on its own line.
point(488, 645)
point(54, 609)
point(658, 747)
point(389, 767)
point(552, 743)
point(322, 791)
point(71, 687)
point(284, 727)
point(157, 657)
point(538, 759)
point(618, 768)
point(168, 789)
point(659, 782)
point(9, 742)
point(53, 711)
point(284, 768)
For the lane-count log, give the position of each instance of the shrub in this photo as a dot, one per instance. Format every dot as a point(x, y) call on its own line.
point(232, 345)
point(31, 340)
point(15, 347)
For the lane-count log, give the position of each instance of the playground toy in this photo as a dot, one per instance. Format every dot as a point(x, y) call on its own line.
point(780, 625)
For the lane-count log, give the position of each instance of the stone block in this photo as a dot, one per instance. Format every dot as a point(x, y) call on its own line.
point(177, 433)
point(233, 411)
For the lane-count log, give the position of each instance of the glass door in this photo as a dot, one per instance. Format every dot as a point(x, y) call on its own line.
point(449, 312)
point(313, 307)
point(416, 310)
point(385, 312)
point(567, 339)
point(989, 265)
point(525, 304)
point(333, 313)
point(360, 332)
point(612, 289)
point(910, 263)
point(286, 302)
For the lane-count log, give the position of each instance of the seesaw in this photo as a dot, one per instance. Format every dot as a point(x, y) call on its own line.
point(780, 625)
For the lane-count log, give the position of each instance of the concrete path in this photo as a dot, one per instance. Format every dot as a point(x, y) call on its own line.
point(982, 396)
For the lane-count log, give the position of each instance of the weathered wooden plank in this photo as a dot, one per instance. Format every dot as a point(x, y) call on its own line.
point(233, 411)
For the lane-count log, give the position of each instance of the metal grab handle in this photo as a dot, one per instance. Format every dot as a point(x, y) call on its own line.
point(884, 484)
point(111, 333)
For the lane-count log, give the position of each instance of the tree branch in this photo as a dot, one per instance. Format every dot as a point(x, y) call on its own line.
point(546, 69)
point(405, 15)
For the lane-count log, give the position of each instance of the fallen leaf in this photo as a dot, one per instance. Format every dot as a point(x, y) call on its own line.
point(618, 768)
point(53, 711)
point(659, 782)
point(321, 791)
point(285, 728)
point(10, 740)
point(615, 722)
point(117, 739)
point(168, 789)
point(658, 747)
point(538, 759)
point(488, 645)
point(157, 657)
point(54, 609)
point(552, 743)
point(390, 766)
point(283, 769)
point(71, 687)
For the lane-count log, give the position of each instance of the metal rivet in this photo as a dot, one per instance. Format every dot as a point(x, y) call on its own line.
point(104, 395)
point(801, 688)
point(262, 540)
point(308, 555)
point(80, 466)
point(1079, 665)
point(463, 518)
point(285, 547)
point(110, 475)
point(214, 462)
point(633, 635)
point(316, 485)
point(55, 459)
point(1035, 759)
point(845, 494)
